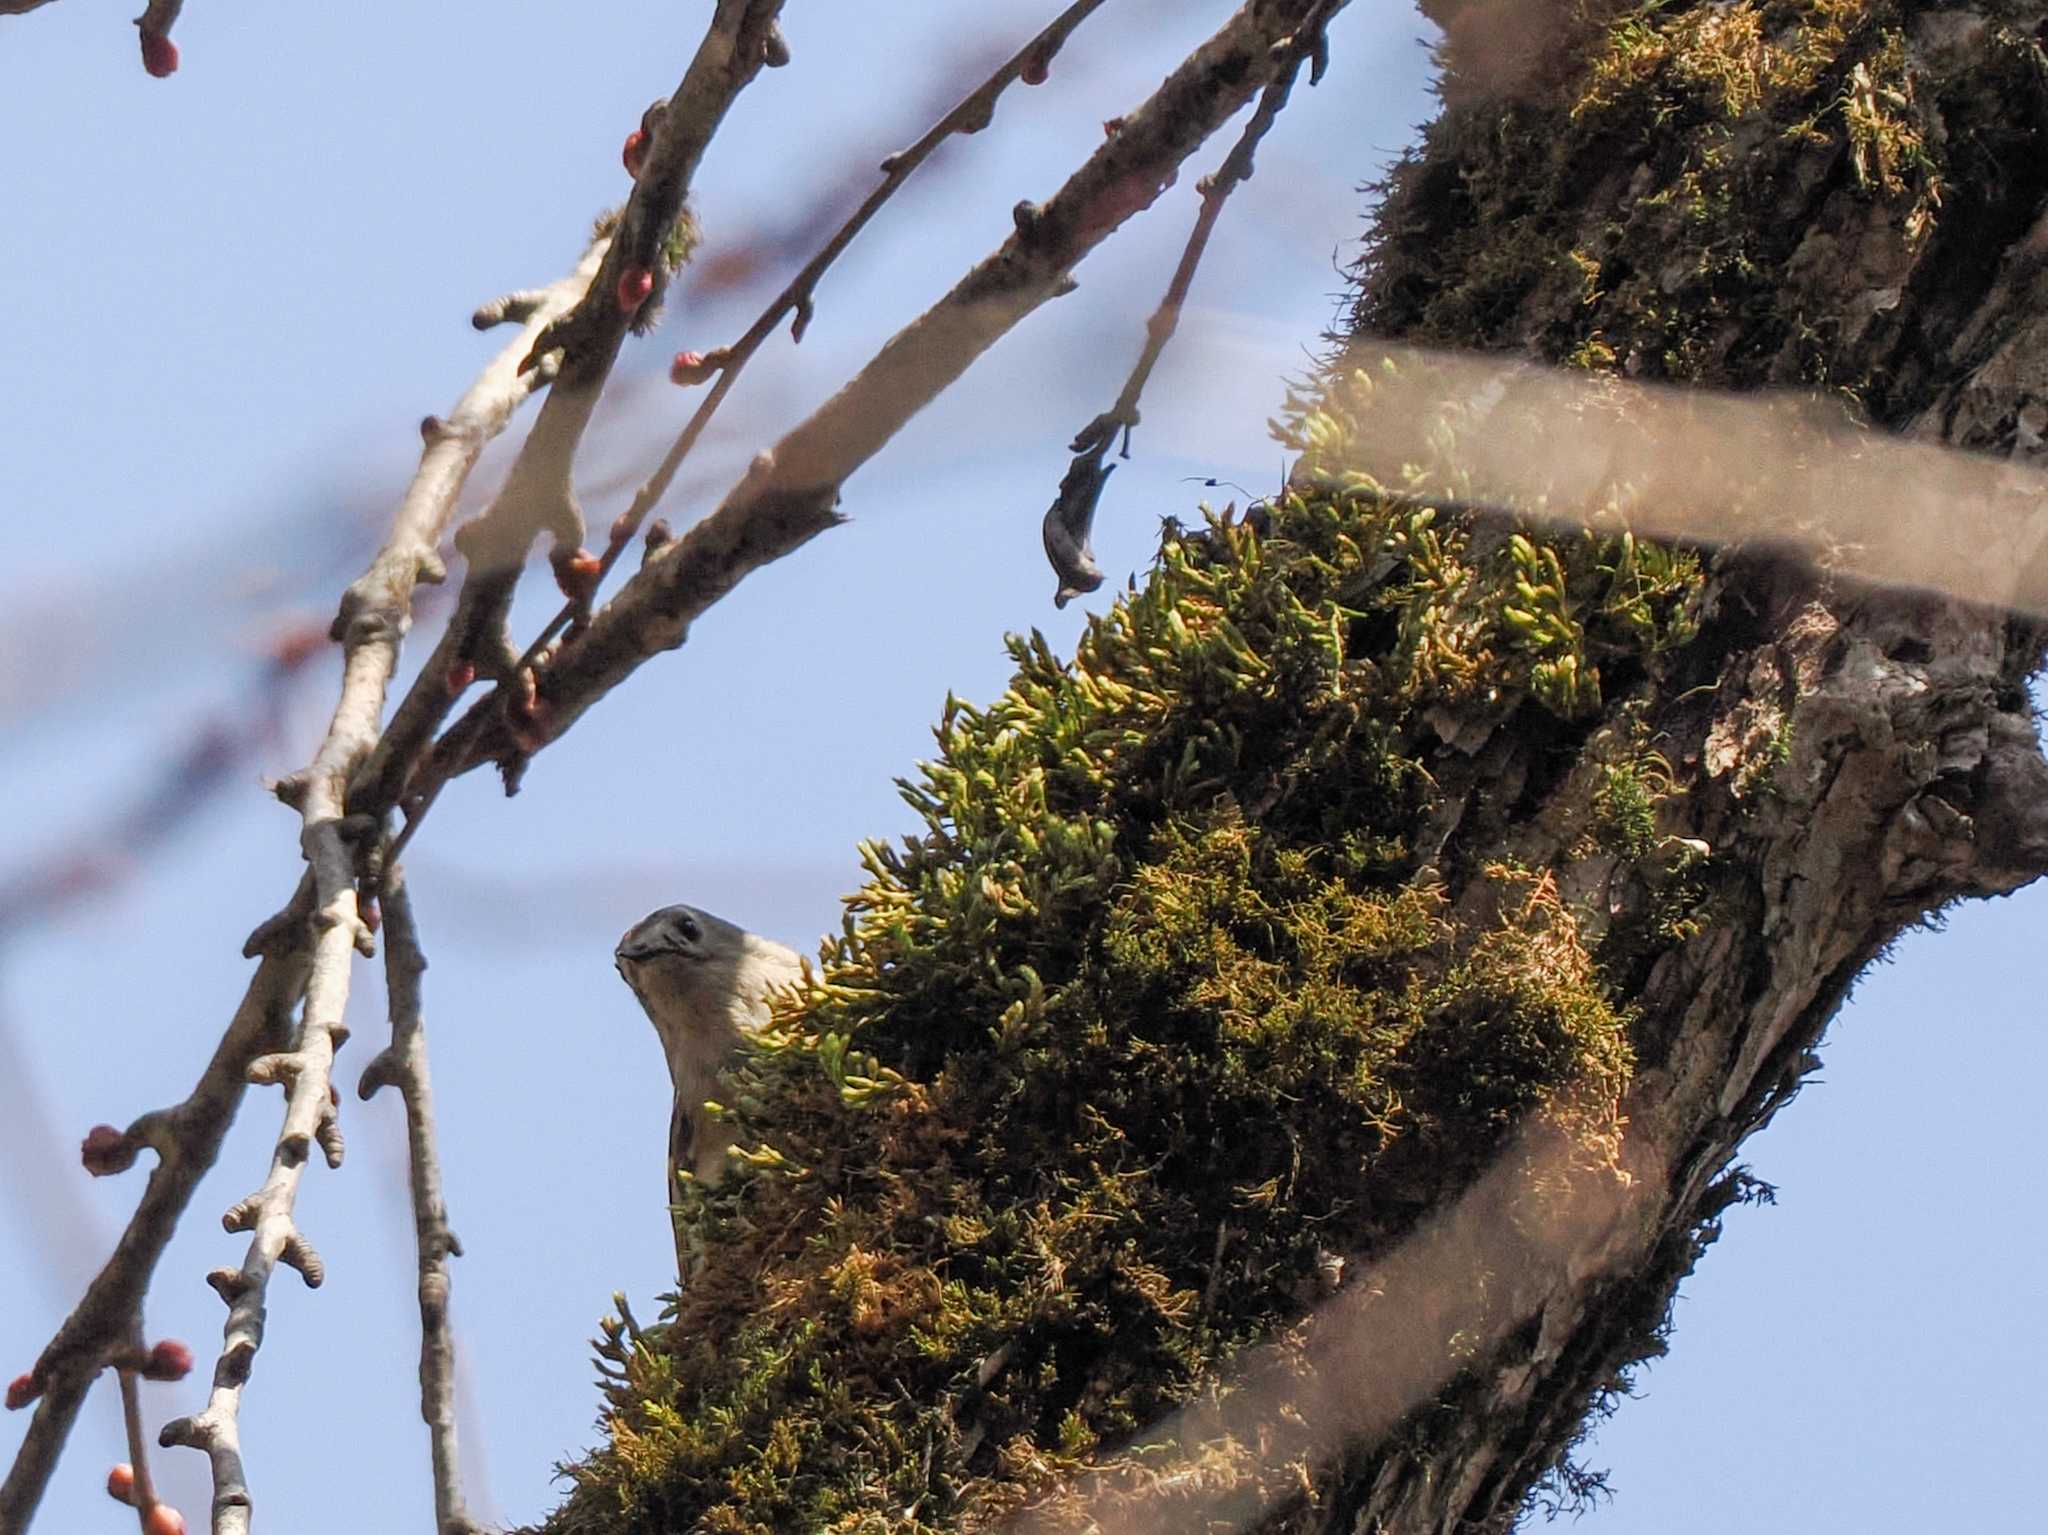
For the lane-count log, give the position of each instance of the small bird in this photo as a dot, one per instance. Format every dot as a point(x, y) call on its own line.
point(704, 983)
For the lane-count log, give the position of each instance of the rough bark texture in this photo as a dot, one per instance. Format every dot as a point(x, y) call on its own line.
point(1856, 759)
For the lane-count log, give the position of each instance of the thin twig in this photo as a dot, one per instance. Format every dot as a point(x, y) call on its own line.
point(973, 113)
point(1070, 519)
point(138, 1447)
point(403, 1064)
point(787, 496)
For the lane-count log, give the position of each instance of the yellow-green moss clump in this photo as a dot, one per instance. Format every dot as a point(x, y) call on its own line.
point(1166, 1003)
point(1214, 957)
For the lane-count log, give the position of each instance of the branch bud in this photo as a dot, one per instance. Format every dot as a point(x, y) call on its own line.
point(121, 1484)
point(634, 155)
point(159, 54)
point(577, 573)
point(106, 1151)
point(298, 1253)
point(22, 1390)
point(162, 1519)
point(636, 283)
point(168, 1360)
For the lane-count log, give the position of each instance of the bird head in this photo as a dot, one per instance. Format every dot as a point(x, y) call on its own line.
point(694, 972)
point(678, 947)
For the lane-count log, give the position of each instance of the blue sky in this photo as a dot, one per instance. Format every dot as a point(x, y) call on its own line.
point(230, 296)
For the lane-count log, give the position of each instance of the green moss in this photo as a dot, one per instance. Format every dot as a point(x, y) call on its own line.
point(1683, 130)
point(1208, 961)
point(1162, 1005)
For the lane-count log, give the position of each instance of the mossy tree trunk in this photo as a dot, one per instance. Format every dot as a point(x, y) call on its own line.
point(1848, 195)
point(1373, 847)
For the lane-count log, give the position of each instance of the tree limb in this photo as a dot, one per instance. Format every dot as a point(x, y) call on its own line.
point(186, 1139)
point(973, 113)
point(537, 495)
point(374, 616)
point(1070, 519)
point(787, 497)
point(403, 1064)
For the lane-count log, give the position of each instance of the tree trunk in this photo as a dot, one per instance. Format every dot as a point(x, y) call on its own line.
point(1288, 1084)
point(1848, 196)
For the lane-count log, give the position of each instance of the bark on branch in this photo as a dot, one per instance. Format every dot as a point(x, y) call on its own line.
point(538, 495)
point(403, 1064)
point(787, 497)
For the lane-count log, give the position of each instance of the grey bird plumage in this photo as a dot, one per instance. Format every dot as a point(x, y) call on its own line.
point(704, 983)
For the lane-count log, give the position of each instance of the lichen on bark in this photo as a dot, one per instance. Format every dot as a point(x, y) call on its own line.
point(1370, 832)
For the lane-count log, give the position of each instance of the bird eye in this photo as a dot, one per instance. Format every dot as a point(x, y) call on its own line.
point(687, 926)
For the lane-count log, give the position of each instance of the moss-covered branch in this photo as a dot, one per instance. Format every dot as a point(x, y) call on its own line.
point(1372, 842)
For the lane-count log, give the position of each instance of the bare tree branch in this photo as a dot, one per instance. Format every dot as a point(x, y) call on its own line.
point(537, 495)
point(186, 1139)
point(974, 112)
point(403, 1064)
point(375, 614)
point(144, 1485)
point(1071, 517)
point(787, 497)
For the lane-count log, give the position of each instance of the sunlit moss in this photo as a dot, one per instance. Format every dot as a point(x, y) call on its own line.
point(1157, 1011)
point(1194, 974)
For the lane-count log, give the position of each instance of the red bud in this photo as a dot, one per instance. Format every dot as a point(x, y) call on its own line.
point(1035, 70)
point(121, 1484)
point(162, 1519)
point(159, 54)
point(169, 1360)
point(634, 155)
point(458, 677)
point(689, 368)
point(106, 1150)
point(21, 1391)
point(635, 284)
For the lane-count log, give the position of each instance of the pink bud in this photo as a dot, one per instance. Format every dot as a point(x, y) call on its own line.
point(689, 368)
point(105, 1151)
point(121, 1484)
point(169, 1360)
point(162, 1519)
point(458, 677)
point(159, 54)
point(635, 284)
